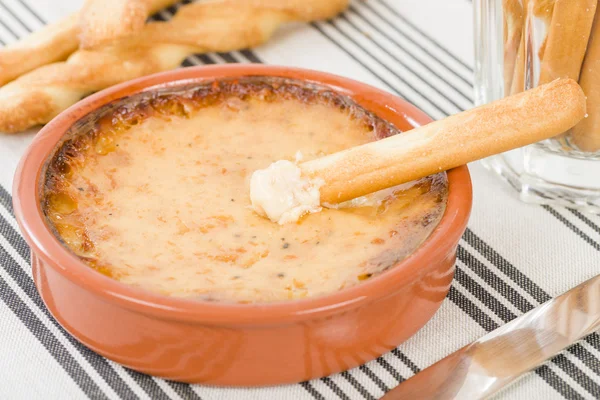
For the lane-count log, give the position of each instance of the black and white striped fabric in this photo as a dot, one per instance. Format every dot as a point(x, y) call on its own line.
point(512, 258)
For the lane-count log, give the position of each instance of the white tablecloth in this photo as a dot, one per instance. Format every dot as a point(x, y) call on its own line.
point(512, 258)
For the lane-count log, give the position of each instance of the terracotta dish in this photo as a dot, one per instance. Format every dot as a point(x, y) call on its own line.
point(230, 344)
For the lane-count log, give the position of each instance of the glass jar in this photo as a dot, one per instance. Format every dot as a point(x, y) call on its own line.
point(520, 44)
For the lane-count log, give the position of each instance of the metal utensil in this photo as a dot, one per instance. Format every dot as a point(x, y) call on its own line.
point(498, 359)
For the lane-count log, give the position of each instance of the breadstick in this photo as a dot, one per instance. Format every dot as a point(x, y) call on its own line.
point(586, 134)
point(221, 26)
point(54, 42)
point(523, 77)
point(101, 21)
point(567, 39)
point(543, 9)
point(505, 124)
point(513, 28)
point(518, 80)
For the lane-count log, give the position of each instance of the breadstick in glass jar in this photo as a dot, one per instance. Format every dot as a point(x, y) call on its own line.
point(586, 134)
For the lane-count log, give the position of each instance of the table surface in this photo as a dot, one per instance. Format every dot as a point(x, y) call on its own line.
point(512, 258)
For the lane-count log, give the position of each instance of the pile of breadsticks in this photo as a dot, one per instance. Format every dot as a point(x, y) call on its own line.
point(563, 36)
point(109, 41)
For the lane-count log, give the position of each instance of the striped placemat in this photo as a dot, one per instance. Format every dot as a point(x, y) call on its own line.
point(512, 258)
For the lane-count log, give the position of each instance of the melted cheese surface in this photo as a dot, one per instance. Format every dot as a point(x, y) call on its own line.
point(164, 205)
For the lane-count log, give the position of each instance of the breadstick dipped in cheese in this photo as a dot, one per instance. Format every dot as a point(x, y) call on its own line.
point(282, 193)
